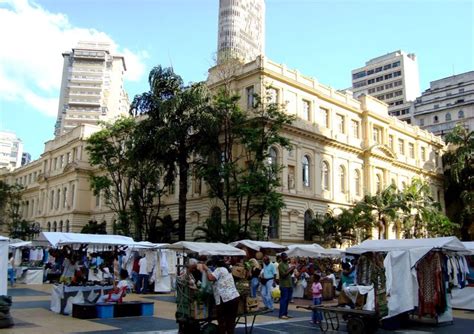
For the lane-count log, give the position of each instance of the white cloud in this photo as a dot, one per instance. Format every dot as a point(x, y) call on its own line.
point(32, 41)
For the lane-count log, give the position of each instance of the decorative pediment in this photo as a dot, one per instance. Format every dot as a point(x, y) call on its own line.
point(381, 151)
point(70, 166)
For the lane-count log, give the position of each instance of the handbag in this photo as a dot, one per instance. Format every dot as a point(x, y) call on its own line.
point(264, 280)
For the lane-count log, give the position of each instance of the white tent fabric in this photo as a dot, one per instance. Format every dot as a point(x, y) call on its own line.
point(469, 246)
point(61, 238)
point(3, 265)
point(313, 250)
point(17, 243)
point(259, 245)
point(145, 245)
point(205, 248)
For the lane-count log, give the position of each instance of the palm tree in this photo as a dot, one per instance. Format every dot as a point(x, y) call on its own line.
point(177, 119)
point(379, 210)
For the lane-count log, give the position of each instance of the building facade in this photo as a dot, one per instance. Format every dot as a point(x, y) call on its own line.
point(392, 78)
point(241, 29)
point(447, 102)
point(57, 194)
point(91, 87)
point(11, 150)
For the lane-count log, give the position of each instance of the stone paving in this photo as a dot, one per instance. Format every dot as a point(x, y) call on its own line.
point(31, 314)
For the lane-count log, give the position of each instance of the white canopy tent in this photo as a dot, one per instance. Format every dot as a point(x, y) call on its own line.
point(18, 243)
point(312, 250)
point(469, 246)
point(402, 256)
point(259, 246)
point(204, 248)
point(3, 265)
point(56, 239)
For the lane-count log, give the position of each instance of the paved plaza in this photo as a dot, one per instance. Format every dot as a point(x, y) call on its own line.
point(32, 315)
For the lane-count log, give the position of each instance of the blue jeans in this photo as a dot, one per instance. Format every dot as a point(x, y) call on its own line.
point(267, 294)
point(285, 294)
point(11, 276)
point(317, 315)
point(254, 287)
point(142, 284)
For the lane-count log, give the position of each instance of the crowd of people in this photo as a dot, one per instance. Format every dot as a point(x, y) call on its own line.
point(273, 281)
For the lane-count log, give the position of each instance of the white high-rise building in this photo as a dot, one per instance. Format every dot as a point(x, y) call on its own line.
point(447, 102)
point(92, 87)
point(241, 30)
point(11, 150)
point(393, 79)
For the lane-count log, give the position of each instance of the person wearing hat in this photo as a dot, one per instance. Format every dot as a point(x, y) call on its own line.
point(285, 272)
point(225, 295)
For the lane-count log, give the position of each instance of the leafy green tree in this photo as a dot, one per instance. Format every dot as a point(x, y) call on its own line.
point(240, 171)
point(176, 120)
point(130, 184)
point(459, 171)
point(379, 210)
point(93, 227)
point(421, 214)
point(10, 212)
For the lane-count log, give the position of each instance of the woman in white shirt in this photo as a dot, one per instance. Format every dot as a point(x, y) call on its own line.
point(225, 295)
point(119, 290)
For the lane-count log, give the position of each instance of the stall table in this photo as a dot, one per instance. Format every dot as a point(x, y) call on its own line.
point(250, 315)
point(60, 295)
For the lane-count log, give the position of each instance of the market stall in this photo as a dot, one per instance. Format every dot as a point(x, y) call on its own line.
point(27, 261)
point(412, 275)
point(464, 298)
point(3, 265)
point(312, 251)
point(90, 264)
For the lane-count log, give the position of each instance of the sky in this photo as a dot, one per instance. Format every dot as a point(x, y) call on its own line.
point(324, 39)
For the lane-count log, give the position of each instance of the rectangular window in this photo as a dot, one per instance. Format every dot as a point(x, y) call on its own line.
point(370, 81)
point(397, 74)
point(250, 97)
point(379, 88)
point(360, 84)
point(390, 141)
point(376, 134)
point(398, 93)
point(388, 66)
point(378, 79)
point(378, 69)
point(355, 128)
point(388, 86)
point(372, 90)
point(358, 75)
point(325, 117)
point(389, 95)
point(423, 154)
point(397, 83)
point(397, 103)
point(306, 110)
point(411, 150)
point(369, 72)
point(396, 64)
point(401, 146)
point(421, 122)
point(388, 76)
point(340, 123)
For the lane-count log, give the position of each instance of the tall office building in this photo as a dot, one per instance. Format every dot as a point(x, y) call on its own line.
point(241, 30)
point(11, 150)
point(91, 88)
point(25, 158)
point(393, 79)
point(447, 102)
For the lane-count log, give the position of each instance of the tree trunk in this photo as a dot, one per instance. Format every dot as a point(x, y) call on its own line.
point(183, 193)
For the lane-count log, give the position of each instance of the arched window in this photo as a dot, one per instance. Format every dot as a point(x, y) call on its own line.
point(308, 218)
point(58, 198)
point(342, 179)
point(68, 227)
point(460, 114)
point(447, 117)
point(273, 225)
point(325, 176)
point(65, 197)
point(51, 200)
point(55, 227)
point(378, 183)
point(216, 214)
point(357, 182)
point(61, 226)
point(272, 157)
point(49, 226)
point(435, 119)
point(305, 170)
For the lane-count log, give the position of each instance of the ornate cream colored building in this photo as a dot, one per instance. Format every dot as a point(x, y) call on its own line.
point(342, 148)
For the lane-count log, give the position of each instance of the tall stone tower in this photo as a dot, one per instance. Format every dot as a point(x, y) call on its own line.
point(92, 87)
point(241, 30)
